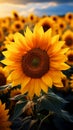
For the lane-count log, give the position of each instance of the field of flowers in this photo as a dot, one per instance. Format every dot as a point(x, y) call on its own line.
point(36, 72)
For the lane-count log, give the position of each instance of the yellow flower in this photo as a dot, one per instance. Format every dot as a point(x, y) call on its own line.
point(61, 24)
point(4, 118)
point(16, 26)
point(23, 19)
point(32, 18)
point(15, 15)
point(57, 30)
point(9, 39)
point(1, 35)
point(3, 78)
point(68, 38)
point(55, 18)
point(46, 23)
point(35, 61)
point(71, 25)
point(65, 82)
point(5, 22)
point(69, 17)
point(5, 29)
point(69, 55)
point(71, 82)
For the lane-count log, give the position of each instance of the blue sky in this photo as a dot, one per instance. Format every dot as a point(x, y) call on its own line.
point(43, 7)
point(26, 1)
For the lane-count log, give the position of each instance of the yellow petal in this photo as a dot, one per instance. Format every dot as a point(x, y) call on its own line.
point(29, 35)
point(55, 75)
point(31, 89)
point(43, 86)
point(20, 41)
point(47, 80)
point(37, 88)
point(55, 39)
point(7, 62)
point(25, 80)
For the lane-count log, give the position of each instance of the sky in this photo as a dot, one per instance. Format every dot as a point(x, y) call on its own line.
point(28, 1)
point(38, 7)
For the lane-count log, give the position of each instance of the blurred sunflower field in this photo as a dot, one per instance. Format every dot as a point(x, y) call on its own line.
point(36, 72)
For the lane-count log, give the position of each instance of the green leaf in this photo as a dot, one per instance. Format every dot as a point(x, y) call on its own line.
point(65, 115)
point(51, 102)
point(19, 109)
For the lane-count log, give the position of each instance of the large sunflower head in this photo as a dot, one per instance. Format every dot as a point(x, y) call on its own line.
point(35, 61)
point(46, 23)
point(68, 38)
point(4, 118)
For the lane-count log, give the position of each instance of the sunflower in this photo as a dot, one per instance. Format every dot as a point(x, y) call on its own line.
point(68, 38)
point(71, 25)
point(69, 55)
point(23, 19)
point(69, 17)
point(5, 22)
point(15, 15)
point(32, 18)
point(3, 79)
point(3, 76)
point(4, 118)
point(35, 61)
point(57, 30)
point(16, 26)
point(1, 35)
point(5, 29)
point(65, 82)
point(62, 24)
point(55, 18)
point(46, 23)
point(71, 81)
point(9, 39)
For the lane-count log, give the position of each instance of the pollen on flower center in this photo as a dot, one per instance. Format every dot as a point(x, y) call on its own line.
point(46, 27)
point(18, 26)
point(69, 41)
point(2, 79)
point(35, 63)
point(70, 57)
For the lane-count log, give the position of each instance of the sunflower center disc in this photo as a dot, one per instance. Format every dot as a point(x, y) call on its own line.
point(46, 27)
point(35, 63)
point(70, 58)
point(69, 41)
point(2, 79)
